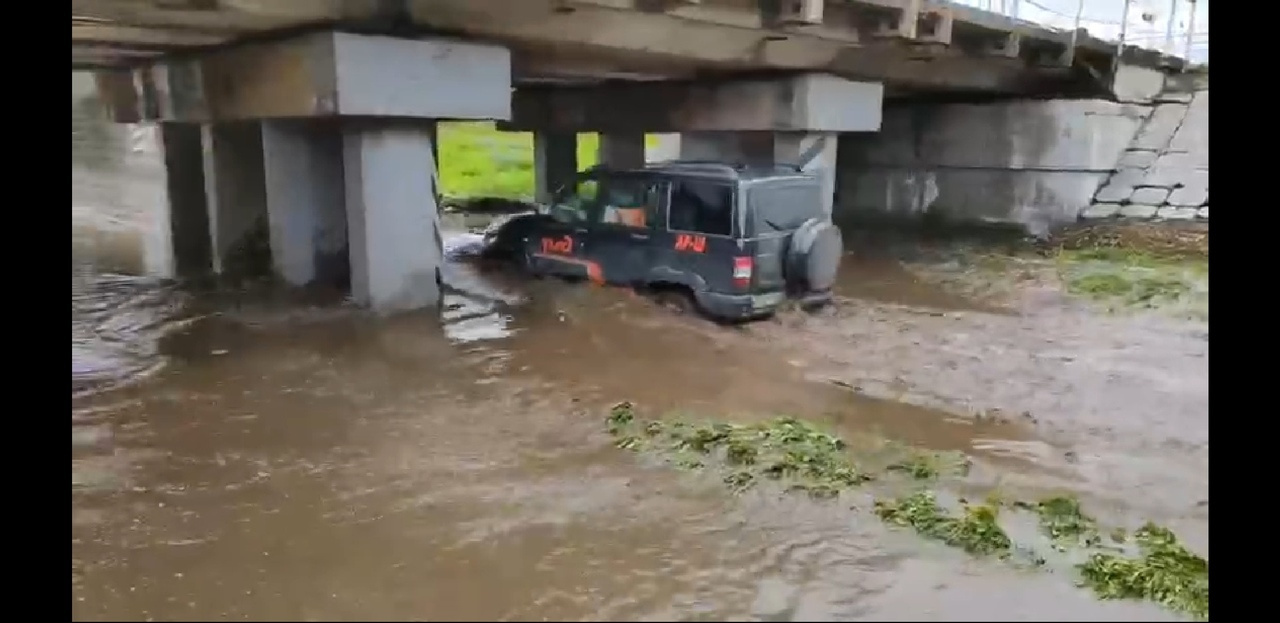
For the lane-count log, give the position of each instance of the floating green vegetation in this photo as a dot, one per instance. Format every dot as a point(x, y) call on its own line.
point(803, 458)
point(782, 449)
point(1062, 520)
point(976, 530)
point(1166, 573)
point(922, 465)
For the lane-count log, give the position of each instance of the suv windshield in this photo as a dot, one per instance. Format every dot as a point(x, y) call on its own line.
point(784, 205)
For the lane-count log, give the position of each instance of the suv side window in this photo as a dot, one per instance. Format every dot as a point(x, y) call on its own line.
point(701, 206)
point(575, 203)
point(631, 202)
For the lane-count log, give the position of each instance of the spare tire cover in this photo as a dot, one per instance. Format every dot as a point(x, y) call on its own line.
point(814, 255)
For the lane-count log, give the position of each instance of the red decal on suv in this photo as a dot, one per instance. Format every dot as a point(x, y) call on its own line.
point(688, 242)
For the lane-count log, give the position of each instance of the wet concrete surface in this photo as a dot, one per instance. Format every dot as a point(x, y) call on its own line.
point(257, 456)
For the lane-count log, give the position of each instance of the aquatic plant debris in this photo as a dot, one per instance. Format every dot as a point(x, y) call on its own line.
point(976, 531)
point(804, 458)
point(1062, 520)
point(931, 465)
point(1166, 573)
point(782, 449)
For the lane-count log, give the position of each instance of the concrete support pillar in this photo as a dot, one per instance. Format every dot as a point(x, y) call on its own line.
point(555, 161)
point(817, 150)
point(188, 241)
point(143, 161)
point(623, 150)
point(303, 174)
point(235, 188)
point(393, 223)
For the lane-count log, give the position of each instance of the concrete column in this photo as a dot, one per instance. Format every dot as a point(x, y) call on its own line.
point(188, 208)
point(555, 161)
point(235, 188)
point(147, 192)
point(304, 188)
point(392, 220)
point(623, 150)
point(818, 148)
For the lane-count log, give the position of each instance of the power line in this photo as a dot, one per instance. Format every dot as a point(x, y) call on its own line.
point(1070, 17)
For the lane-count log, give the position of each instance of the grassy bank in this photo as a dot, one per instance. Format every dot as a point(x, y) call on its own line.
point(1142, 266)
point(477, 160)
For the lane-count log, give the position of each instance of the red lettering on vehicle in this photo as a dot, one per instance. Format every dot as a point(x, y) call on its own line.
point(689, 242)
point(558, 246)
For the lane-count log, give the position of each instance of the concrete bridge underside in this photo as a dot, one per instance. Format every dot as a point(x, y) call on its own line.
point(311, 123)
point(905, 44)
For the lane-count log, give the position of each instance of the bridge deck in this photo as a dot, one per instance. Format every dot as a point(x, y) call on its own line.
point(910, 45)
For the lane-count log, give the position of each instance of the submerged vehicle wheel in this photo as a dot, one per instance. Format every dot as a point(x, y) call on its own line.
point(678, 301)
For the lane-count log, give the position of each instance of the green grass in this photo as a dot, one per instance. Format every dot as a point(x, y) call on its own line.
point(1133, 278)
point(478, 160)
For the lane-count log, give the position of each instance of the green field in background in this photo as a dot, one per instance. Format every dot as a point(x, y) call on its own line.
point(477, 160)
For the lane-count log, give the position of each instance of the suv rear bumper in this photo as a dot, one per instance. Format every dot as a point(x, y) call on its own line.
point(752, 306)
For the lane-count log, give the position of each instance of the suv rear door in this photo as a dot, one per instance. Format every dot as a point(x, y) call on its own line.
point(776, 208)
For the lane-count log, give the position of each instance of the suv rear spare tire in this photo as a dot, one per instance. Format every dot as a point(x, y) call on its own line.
point(813, 258)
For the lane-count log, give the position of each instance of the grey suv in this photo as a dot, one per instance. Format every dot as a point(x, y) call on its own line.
point(731, 241)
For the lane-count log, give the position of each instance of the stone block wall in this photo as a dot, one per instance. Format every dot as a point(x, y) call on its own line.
point(1164, 174)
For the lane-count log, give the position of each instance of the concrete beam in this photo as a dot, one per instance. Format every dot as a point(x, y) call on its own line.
point(621, 150)
point(809, 102)
point(339, 74)
point(239, 15)
point(140, 37)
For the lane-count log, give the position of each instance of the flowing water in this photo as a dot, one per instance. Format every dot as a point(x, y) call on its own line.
point(253, 456)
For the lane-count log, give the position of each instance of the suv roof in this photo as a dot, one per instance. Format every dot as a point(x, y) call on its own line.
point(714, 169)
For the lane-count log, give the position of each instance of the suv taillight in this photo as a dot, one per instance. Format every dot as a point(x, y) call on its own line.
point(742, 267)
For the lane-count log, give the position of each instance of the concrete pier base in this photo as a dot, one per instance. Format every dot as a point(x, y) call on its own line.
point(305, 201)
point(321, 168)
point(555, 161)
point(392, 219)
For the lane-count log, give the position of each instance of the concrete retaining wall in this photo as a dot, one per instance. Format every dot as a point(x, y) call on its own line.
point(1030, 164)
point(1034, 164)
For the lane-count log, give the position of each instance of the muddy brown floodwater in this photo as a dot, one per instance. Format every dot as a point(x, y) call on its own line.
point(260, 457)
